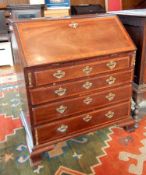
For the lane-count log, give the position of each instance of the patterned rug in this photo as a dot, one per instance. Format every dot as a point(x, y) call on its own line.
point(110, 151)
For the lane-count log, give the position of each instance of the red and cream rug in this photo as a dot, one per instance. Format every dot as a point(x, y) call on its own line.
point(110, 151)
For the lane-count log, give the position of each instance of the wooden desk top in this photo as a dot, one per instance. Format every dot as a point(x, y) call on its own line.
point(46, 41)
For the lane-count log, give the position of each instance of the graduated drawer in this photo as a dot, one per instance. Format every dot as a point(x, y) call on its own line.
point(47, 76)
point(77, 124)
point(66, 108)
point(46, 94)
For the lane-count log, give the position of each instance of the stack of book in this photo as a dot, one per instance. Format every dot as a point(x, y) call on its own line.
point(36, 2)
point(57, 8)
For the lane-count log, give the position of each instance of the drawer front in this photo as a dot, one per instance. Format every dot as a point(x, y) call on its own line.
point(73, 106)
point(46, 94)
point(77, 71)
point(86, 121)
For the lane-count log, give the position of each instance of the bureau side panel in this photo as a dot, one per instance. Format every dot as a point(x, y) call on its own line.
point(18, 65)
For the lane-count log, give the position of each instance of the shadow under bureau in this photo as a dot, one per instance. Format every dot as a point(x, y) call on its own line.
point(75, 77)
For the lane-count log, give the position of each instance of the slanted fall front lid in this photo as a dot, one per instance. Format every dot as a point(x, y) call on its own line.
point(51, 41)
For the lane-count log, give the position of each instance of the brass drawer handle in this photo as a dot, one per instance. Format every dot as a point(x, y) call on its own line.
point(109, 114)
point(87, 100)
point(111, 80)
point(63, 128)
point(87, 85)
point(87, 70)
point(87, 118)
point(61, 91)
point(110, 96)
point(61, 109)
point(111, 65)
point(30, 79)
point(59, 74)
point(74, 25)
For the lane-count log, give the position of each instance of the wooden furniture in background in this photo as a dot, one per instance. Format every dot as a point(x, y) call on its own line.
point(135, 23)
point(16, 2)
point(141, 5)
point(25, 11)
point(3, 5)
point(5, 45)
point(3, 25)
point(130, 4)
point(87, 9)
point(76, 76)
point(126, 4)
point(78, 2)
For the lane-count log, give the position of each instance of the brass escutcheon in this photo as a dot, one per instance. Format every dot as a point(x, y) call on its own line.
point(111, 80)
point(87, 100)
point(74, 25)
point(109, 114)
point(110, 96)
point(59, 74)
point(111, 65)
point(61, 91)
point(62, 128)
point(61, 109)
point(87, 70)
point(87, 85)
point(87, 118)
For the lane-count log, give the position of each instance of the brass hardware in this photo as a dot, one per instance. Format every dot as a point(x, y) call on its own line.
point(61, 109)
point(60, 91)
point(111, 80)
point(59, 74)
point(30, 79)
point(110, 96)
point(111, 65)
point(133, 61)
point(87, 70)
point(87, 118)
point(110, 114)
point(133, 57)
point(87, 85)
point(88, 100)
point(36, 137)
point(62, 128)
point(74, 25)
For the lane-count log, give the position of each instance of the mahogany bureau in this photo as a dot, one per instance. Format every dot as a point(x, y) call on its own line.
point(76, 76)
